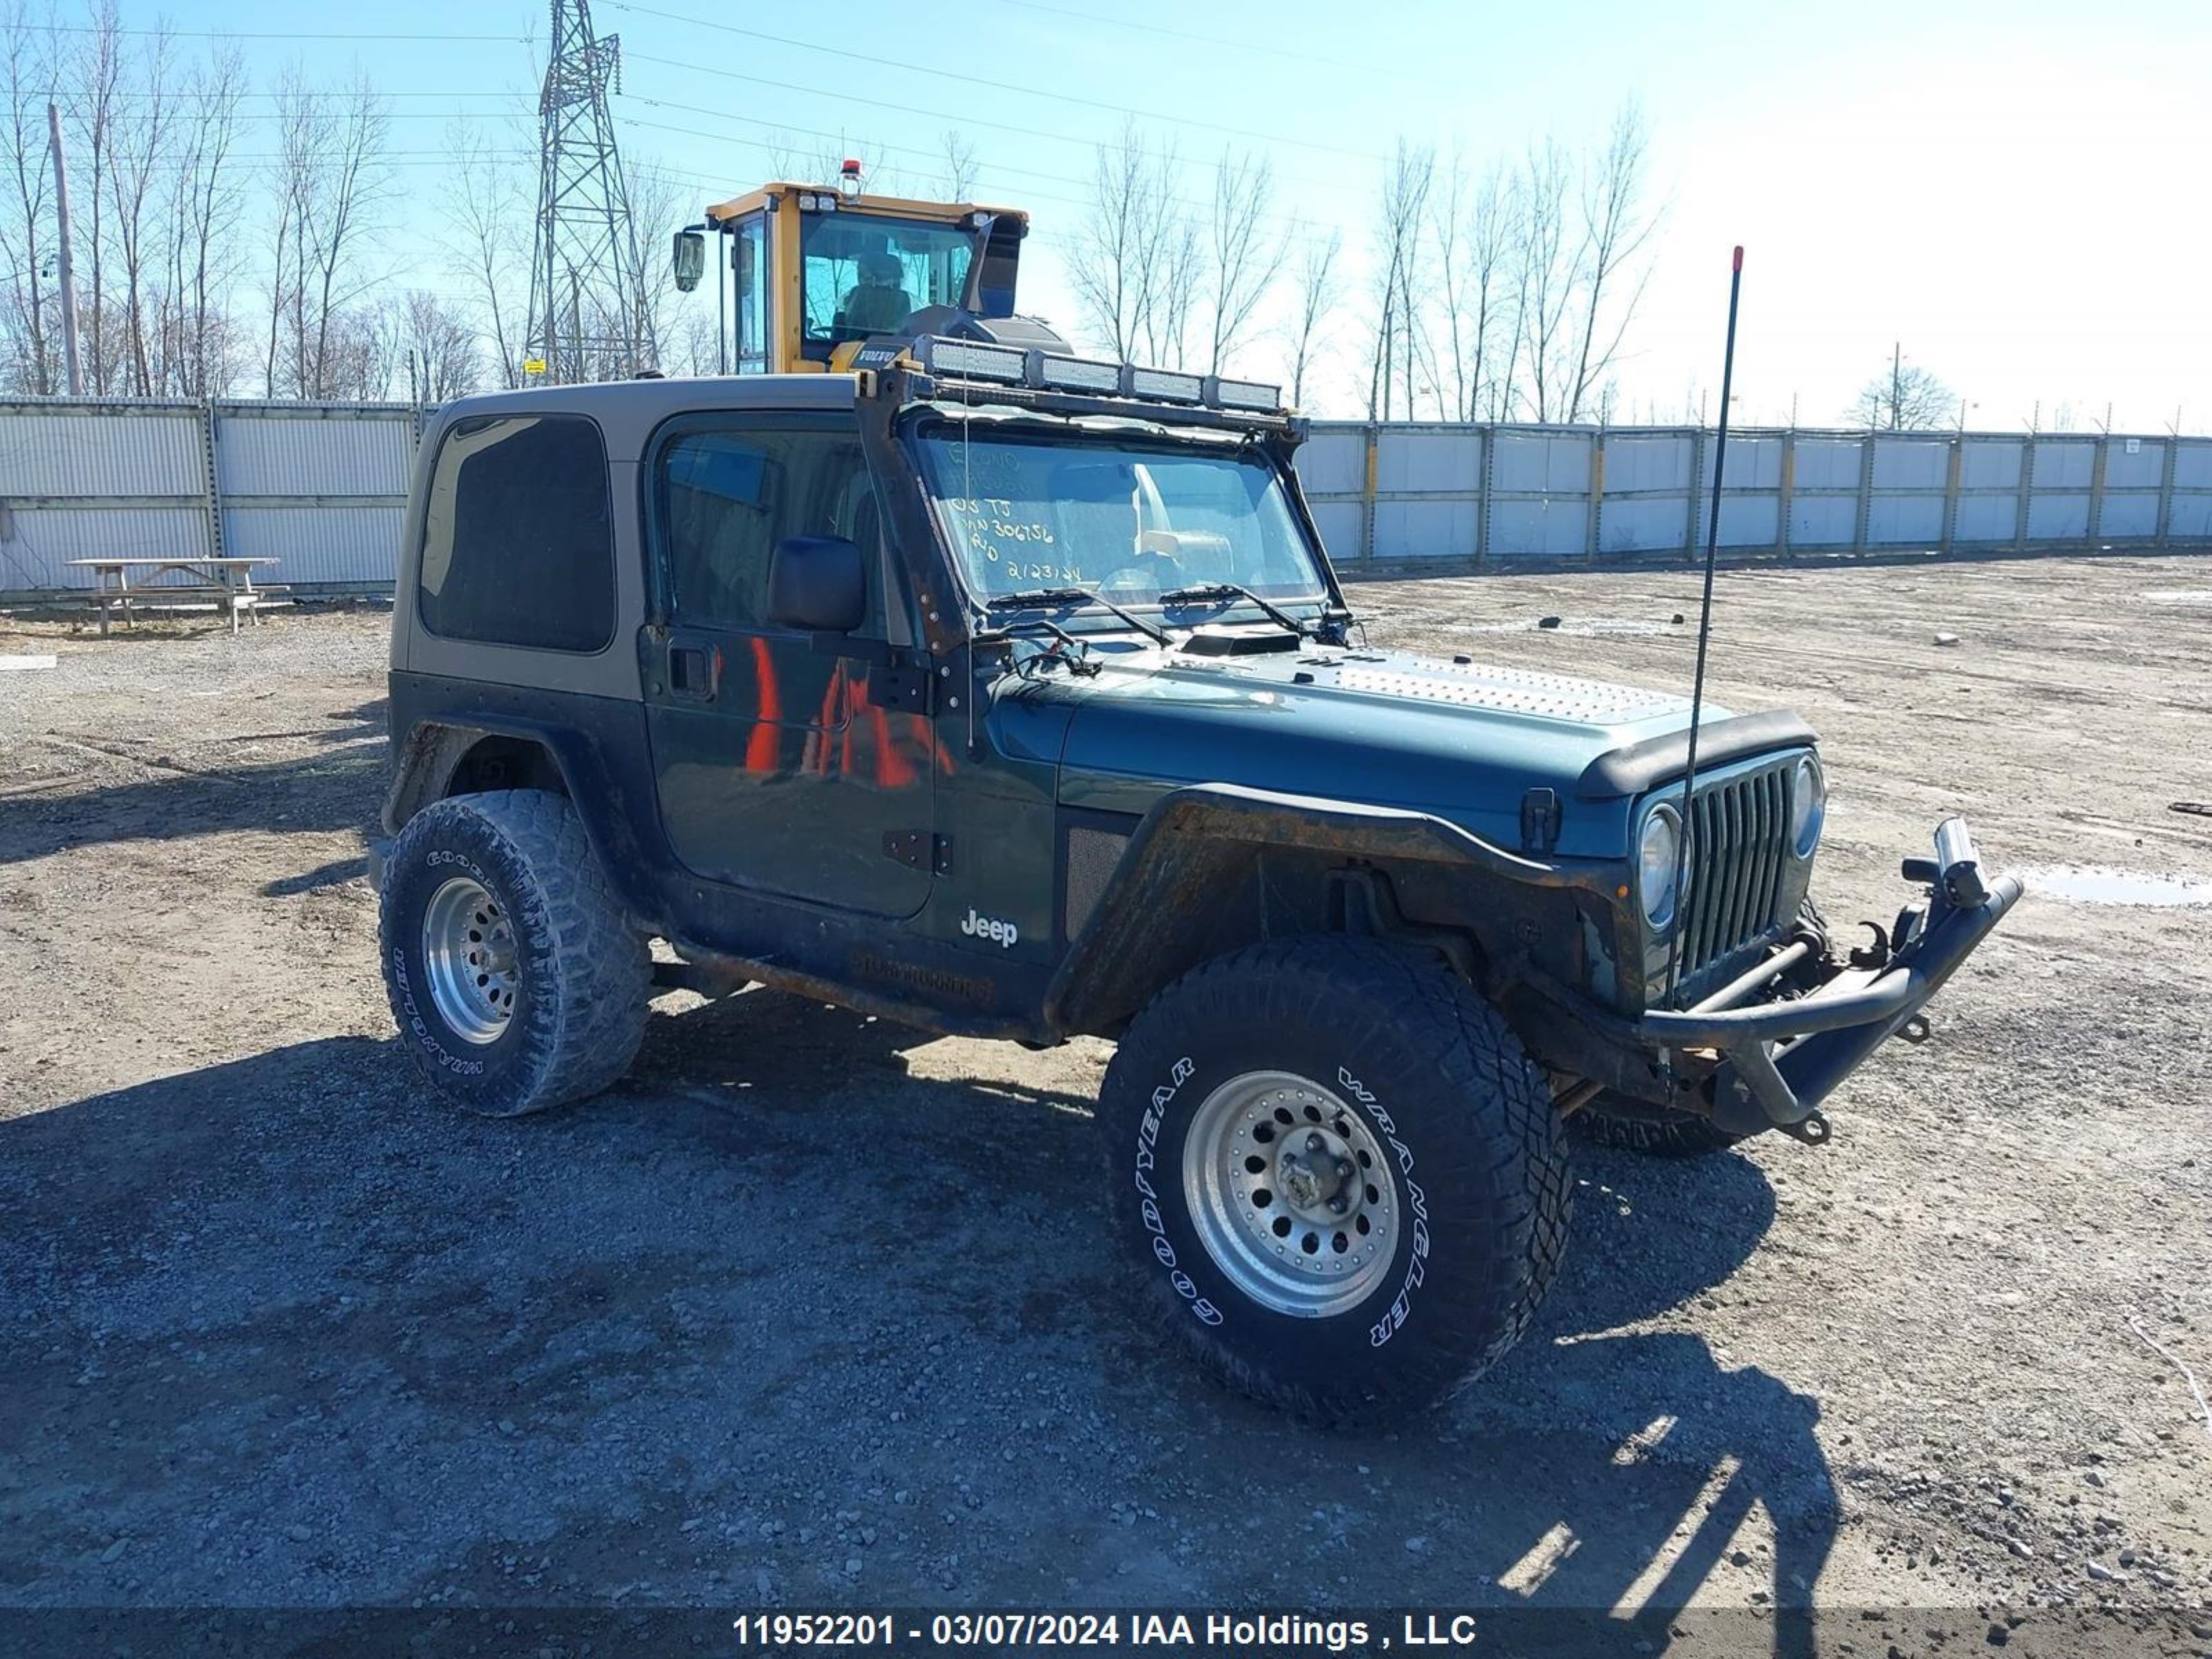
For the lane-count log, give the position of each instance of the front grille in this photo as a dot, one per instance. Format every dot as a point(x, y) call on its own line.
point(1739, 834)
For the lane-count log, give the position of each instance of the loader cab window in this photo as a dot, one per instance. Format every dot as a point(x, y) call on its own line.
point(864, 275)
point(750, 289)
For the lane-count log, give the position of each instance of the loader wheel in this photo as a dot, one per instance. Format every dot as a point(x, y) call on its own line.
point(1632, 1126)
point(1336, 1175)
point(515, 981)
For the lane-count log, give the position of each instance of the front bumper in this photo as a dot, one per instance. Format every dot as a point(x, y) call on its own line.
point(1778, 1061)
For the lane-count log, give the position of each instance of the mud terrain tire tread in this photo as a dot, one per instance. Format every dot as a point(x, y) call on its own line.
point(1491, 1161)
point(587, 972)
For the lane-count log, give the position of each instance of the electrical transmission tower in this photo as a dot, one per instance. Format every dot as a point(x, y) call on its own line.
point(587, 315)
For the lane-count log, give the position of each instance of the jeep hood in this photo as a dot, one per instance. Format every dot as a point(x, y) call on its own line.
point(1455, 738)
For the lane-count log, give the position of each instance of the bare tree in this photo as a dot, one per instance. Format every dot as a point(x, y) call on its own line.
point(330, 180)
point(1906, 398)
point(1317, 289)
point(1474, 219)
point(1615, 228)
point(26, 73)
point(1106, 260)
point(1243, 259)
point(92, 80)
point(487, 214)
point(1175, 264)
point(142, 135)
point(1401, 211)
point(1547, 274)
point(959, 152)
point(438, 347)
point(205, 206)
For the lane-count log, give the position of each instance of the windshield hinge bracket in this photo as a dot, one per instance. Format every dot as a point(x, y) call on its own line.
point(918, 849)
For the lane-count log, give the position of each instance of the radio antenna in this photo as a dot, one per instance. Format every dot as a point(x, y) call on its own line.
point(1704, 636)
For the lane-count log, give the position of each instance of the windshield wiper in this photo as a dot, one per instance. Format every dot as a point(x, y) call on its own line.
point(1206, 590)
point(1036, 597)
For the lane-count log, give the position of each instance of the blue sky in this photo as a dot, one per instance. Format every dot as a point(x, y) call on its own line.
point(2016, 192)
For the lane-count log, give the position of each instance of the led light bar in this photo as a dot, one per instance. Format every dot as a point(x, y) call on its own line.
point(1164, 384)
point(1076, 374)
point(1050, 371)
point(1242, 394)
point(983, 362)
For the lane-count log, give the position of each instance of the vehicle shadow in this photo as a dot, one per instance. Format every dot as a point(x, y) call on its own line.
point(285, 1332)
point(338, 787)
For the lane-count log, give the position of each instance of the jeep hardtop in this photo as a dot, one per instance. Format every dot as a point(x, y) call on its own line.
point(1012, 695)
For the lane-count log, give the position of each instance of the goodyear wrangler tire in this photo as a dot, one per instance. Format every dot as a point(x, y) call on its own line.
point(1338, 1179)
point(515, 981)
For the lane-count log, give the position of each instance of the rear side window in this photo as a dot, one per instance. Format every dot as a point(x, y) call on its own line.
point(517, 544)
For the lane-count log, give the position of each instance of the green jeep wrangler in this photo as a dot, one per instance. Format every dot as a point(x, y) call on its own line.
point(1009, 694)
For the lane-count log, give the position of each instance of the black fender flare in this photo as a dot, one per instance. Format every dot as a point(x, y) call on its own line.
point(424, 760)
point(1198, 840)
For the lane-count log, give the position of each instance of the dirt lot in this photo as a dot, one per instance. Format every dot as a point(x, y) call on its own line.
point(816, 1310)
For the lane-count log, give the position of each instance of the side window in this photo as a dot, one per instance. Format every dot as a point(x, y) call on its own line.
point(747, 260)
point(729, 490)
point(517, 546)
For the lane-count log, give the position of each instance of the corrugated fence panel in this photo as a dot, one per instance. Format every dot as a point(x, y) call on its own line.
point(45, 538)
point(1339, 524)
point(2189, 514)
point(337, 545)
point(1334, 460)
point(292, 455)
point(322, 489)
point(1429, 461)
point(142, 452)
point(1648, 463)
point(1425, 530)
point(1641, 524)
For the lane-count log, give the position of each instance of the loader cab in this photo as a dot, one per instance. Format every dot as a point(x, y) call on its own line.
point(807, 272)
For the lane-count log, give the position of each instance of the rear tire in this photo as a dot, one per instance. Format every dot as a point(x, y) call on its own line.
point(515, 981)
point(1264, 1087)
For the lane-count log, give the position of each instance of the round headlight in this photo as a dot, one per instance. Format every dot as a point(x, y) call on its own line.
point(1808, 806)
point(1659, 858)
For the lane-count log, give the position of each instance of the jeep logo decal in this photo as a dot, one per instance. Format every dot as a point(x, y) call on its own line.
point(1001, 933)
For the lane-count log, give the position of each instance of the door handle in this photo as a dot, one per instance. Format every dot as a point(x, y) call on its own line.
point(694, 671)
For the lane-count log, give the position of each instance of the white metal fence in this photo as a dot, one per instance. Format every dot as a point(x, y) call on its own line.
point(1465, 497)
point(322, 487)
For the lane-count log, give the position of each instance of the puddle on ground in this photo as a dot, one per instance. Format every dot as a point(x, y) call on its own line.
point(2091, 884)
point(2192, 596)
point(1580, 627)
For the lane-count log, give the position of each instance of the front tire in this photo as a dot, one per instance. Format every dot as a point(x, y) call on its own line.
point(515, 981)
point(1338, 1176)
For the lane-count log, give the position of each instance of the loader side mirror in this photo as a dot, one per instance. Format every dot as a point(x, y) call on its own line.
point(689, 259)
point(817, 585)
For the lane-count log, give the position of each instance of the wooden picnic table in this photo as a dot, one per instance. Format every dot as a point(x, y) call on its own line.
point(227, 581)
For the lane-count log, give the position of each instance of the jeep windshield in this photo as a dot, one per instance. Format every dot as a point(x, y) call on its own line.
point(1134, 521)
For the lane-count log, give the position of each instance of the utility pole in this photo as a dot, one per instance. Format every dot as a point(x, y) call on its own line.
point(62, 265)
point(585, 243)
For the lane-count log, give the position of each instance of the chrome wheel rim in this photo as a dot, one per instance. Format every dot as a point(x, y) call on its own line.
point(469, 958)
point(1289, 1192)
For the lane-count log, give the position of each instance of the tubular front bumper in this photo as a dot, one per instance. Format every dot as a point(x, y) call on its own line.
point(1780, 1061)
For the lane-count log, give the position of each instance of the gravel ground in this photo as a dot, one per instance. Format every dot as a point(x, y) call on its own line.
point(816, 1310)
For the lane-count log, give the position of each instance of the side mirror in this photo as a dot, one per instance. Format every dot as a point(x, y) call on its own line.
point(689, 259)
point(817, 584)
